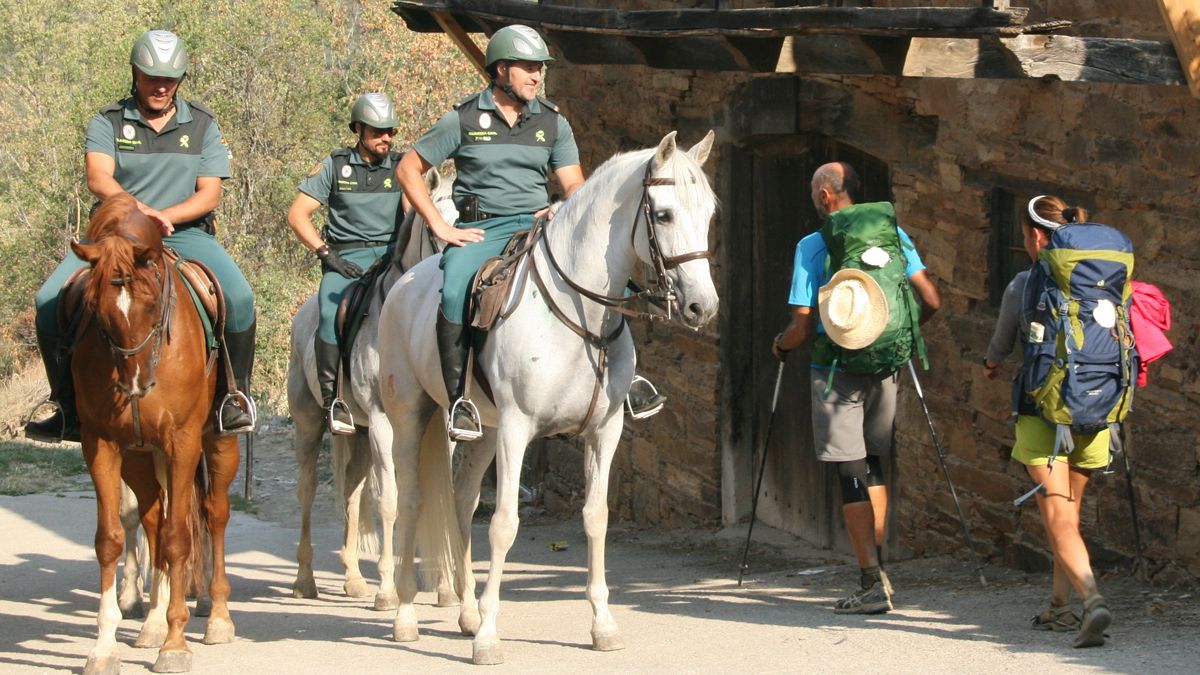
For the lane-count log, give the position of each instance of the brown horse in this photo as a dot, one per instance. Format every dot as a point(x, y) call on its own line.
point(145, 384)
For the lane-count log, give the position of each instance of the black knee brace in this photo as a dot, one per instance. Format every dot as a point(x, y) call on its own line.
point(854, 476)
point(874, 471)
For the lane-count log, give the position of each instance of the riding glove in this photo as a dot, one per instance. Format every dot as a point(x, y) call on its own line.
point(337, 263)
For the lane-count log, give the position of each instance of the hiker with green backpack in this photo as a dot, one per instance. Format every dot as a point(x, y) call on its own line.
point(1071, 311)
point(860, 272)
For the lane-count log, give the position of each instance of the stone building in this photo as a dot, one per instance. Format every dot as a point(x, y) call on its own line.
point(959, 115)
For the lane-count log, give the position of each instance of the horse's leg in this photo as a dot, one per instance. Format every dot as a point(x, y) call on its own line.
point(143, 472)
point(221, 454)
point(174, 656)
point(408, 430)
point(382, 463)
point(510, 451)
point(354, 479)
point(130, 599)
point(598, 452)
point(468, 478)
point(104, 463)
point(306, 444)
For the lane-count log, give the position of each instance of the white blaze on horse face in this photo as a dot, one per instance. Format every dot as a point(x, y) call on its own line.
point(124, 301)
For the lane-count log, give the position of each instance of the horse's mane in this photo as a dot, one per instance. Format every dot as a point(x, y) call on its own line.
point(690, 181)
point(112, 230)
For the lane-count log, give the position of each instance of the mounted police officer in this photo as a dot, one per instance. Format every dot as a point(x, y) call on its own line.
point(502, 140)
point(364, 200)
point(169, 154)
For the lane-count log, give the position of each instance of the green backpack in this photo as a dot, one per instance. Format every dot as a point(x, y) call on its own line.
point(848, 233)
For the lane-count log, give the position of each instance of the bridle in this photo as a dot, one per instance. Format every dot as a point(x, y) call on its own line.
point(662, 282)
point(152, 341)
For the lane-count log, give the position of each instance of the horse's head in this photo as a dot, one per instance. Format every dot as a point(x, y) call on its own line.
point(680, 204)
point(125, 289)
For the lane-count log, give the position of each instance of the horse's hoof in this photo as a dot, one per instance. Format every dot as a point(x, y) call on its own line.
point(490, 654)
point(151, 637)
point(468, 622)
point(133, 610)
point(304, 588)
point(109, 664)
point(203, 607)
point(404, 632)
point(447, 598)
point(357, 588)
point(218, 632)
point(607, 642)
point(386, 602)
point(173, 662)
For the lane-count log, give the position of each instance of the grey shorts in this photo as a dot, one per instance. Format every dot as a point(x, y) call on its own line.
point(857, 419)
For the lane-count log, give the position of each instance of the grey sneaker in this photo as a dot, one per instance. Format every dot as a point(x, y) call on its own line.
point(873, 600)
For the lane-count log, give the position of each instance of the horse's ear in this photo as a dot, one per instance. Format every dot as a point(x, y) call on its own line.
point(666, 147)
point(432, 179)
point(699, 151)
point(86, 252)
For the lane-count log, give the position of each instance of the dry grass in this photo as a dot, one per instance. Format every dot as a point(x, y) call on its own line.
point(18, 395)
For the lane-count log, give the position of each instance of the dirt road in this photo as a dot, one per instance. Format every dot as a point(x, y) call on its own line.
point(674, 595)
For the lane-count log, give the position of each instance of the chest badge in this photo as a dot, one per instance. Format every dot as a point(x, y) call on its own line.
point(485, 120)
point(128, 132)
point(387, 183)
point(540, 136)
point(346, 171)
point(184, 140)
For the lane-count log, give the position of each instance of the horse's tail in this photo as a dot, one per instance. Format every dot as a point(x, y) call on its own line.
point(438, 538)
point(198, 568)
point(349, 457)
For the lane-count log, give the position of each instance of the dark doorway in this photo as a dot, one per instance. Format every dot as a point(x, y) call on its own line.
point(771, 211)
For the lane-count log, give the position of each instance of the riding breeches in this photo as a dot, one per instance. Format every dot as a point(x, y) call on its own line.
point(191, 244)
point(459, 263)
point(334, 285)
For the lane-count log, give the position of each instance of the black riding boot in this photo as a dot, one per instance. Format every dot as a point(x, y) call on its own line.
point(643, 399)
point(63, 425)
point(463, 424)
point(337, 415)
point(237, 414)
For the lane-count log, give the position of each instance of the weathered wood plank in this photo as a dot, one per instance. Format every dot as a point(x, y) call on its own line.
point(1046, 56)
point(1183, 21)
point(462, 40)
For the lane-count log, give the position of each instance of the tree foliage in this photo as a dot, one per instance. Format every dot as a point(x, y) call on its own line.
point(281, 76)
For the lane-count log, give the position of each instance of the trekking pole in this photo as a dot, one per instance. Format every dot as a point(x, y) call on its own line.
point(946, 472)
point(1139, 563)
point(762, 469)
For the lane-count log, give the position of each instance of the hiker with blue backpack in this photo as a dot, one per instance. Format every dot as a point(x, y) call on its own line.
point(1075, 385)
point(859, 272)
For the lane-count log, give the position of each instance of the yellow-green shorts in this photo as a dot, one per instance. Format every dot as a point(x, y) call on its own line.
point(1035, 442)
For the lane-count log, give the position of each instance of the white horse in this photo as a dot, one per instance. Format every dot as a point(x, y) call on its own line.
point(354, 456)
point(652, 205)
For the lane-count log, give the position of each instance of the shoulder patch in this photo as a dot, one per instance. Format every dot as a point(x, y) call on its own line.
point(315, 170)
point(548, 104)
point(202, 108)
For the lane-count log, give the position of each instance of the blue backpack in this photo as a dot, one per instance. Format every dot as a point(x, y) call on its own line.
point(1080, 361)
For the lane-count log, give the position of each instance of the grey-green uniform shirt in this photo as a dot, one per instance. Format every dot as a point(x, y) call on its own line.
point(160, 168)
point(363, 198)
point(504, 167)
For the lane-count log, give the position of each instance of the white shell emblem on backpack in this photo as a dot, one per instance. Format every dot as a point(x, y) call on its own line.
point(1105, 313)
point(875, 257)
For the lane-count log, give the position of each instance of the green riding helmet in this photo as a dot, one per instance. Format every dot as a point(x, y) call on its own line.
point(517, 43)
point(159, 53)
point(374, 110)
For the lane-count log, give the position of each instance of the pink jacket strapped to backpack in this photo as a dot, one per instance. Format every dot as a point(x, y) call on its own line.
point(1150, 318)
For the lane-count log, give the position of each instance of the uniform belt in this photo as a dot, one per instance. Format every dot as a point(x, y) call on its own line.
point(347, 245)
point(476, 216)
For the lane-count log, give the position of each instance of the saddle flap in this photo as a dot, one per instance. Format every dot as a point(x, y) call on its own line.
point(493, 282)
point(204, 285)
point(351, 304)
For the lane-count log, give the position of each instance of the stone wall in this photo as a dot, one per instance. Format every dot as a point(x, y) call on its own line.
point(1128, 153)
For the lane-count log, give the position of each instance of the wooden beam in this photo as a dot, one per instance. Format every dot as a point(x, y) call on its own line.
point(1183, 22)
point(459, 37)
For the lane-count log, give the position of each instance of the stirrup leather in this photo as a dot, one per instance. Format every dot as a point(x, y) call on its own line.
point(457, 434)
point(644, 413)
point(247, 406)
point(336, 426)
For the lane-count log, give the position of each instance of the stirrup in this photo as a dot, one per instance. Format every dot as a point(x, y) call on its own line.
point(641, 415)
point(336, 426)
point(457, 434)
point(57, 410)
point(247, 407)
